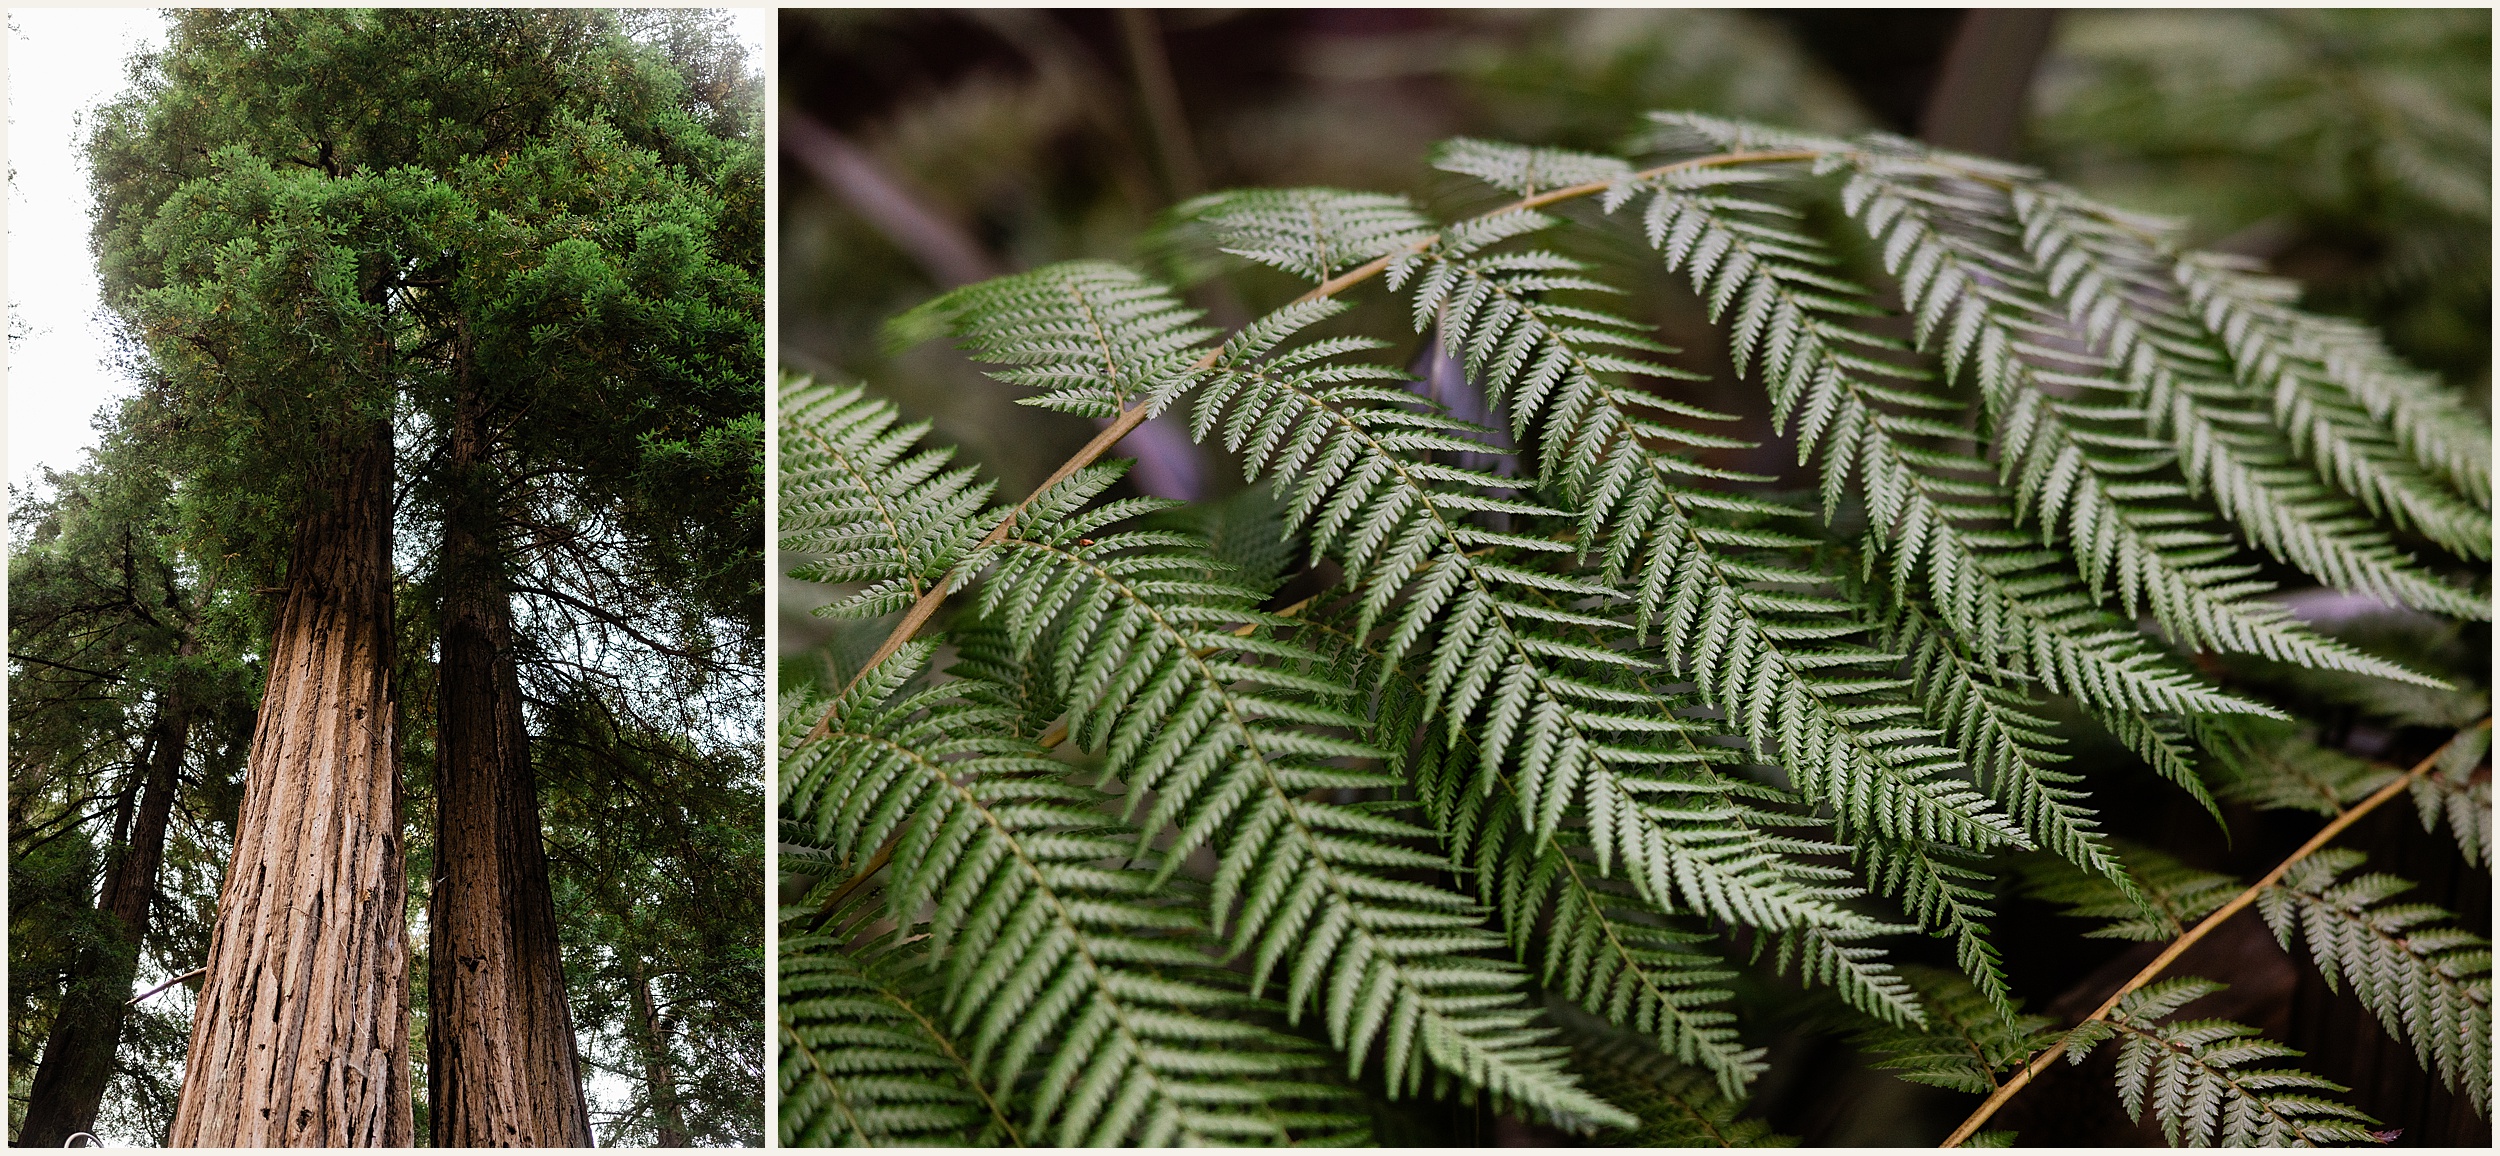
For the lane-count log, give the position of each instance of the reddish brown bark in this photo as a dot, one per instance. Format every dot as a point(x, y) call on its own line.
point(300, 1036)
point(86, 1031)
point(502, 1066)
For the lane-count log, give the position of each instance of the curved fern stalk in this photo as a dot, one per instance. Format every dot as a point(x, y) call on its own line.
point(1228, 735)
point(2117, 285)
point(2194, 1076)
point(1968, 1042)
point(864, 1061)
point(1978, 303)
point(2388, 434)
point(2429, 984)
point(1088, 978)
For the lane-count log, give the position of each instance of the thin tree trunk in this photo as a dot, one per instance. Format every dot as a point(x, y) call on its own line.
point(87, 1030)
point(503, 1069)
point(659, 1076)
point(300, 1037)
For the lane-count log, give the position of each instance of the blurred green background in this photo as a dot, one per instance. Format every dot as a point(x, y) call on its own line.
point(921, 149)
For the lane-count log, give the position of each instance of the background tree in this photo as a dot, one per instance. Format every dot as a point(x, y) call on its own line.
point(552, 279)
point(129, 690)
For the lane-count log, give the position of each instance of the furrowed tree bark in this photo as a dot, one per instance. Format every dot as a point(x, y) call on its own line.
point(668, 1112)
point(86, 1031)
point(501, 1061)
point(300, 1037)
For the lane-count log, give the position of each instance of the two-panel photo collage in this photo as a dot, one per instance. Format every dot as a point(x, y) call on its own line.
point(667, 577)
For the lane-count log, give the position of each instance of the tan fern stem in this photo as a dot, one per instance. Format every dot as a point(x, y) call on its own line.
point(2180, 945)
point(1130, 418)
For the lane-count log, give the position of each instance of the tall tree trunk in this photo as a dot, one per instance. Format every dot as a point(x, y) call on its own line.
point(87, 1031)
point(301, 1033)
point(502, 1064)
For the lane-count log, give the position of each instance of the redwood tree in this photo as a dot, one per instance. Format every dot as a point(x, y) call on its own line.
point(541, 266)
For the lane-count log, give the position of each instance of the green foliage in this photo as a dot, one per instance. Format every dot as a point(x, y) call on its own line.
point(2194, 1076)
point(1673, 726)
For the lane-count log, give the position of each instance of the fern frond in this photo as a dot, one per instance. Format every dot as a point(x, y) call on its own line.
point(1839, 729)
point(2117, 285)
point(1935, 512)
point(1085, 977)
point(1604, 947)
point(2426, 979)
point(1088, 337)
point(1501, 659)
point(1838, 959)
point(864, 502)
point(2277, 766)
point(1756, 632)
point(1230, 735)
point(2194, 1076)
point(1968, 1044)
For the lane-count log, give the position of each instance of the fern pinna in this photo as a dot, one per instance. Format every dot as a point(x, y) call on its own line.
point(1539, 765)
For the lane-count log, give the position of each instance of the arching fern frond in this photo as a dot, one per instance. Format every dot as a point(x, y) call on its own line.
point(1088, 337)
point(2194, 1076)
point(2083, 469)
point(2349, 407)
point(2426, 979)
point(2115, 279)
point(1502, 656)
point(1230, 735)
point(2169, 898)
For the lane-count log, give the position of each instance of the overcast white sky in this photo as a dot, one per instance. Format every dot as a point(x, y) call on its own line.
point(61, 63)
